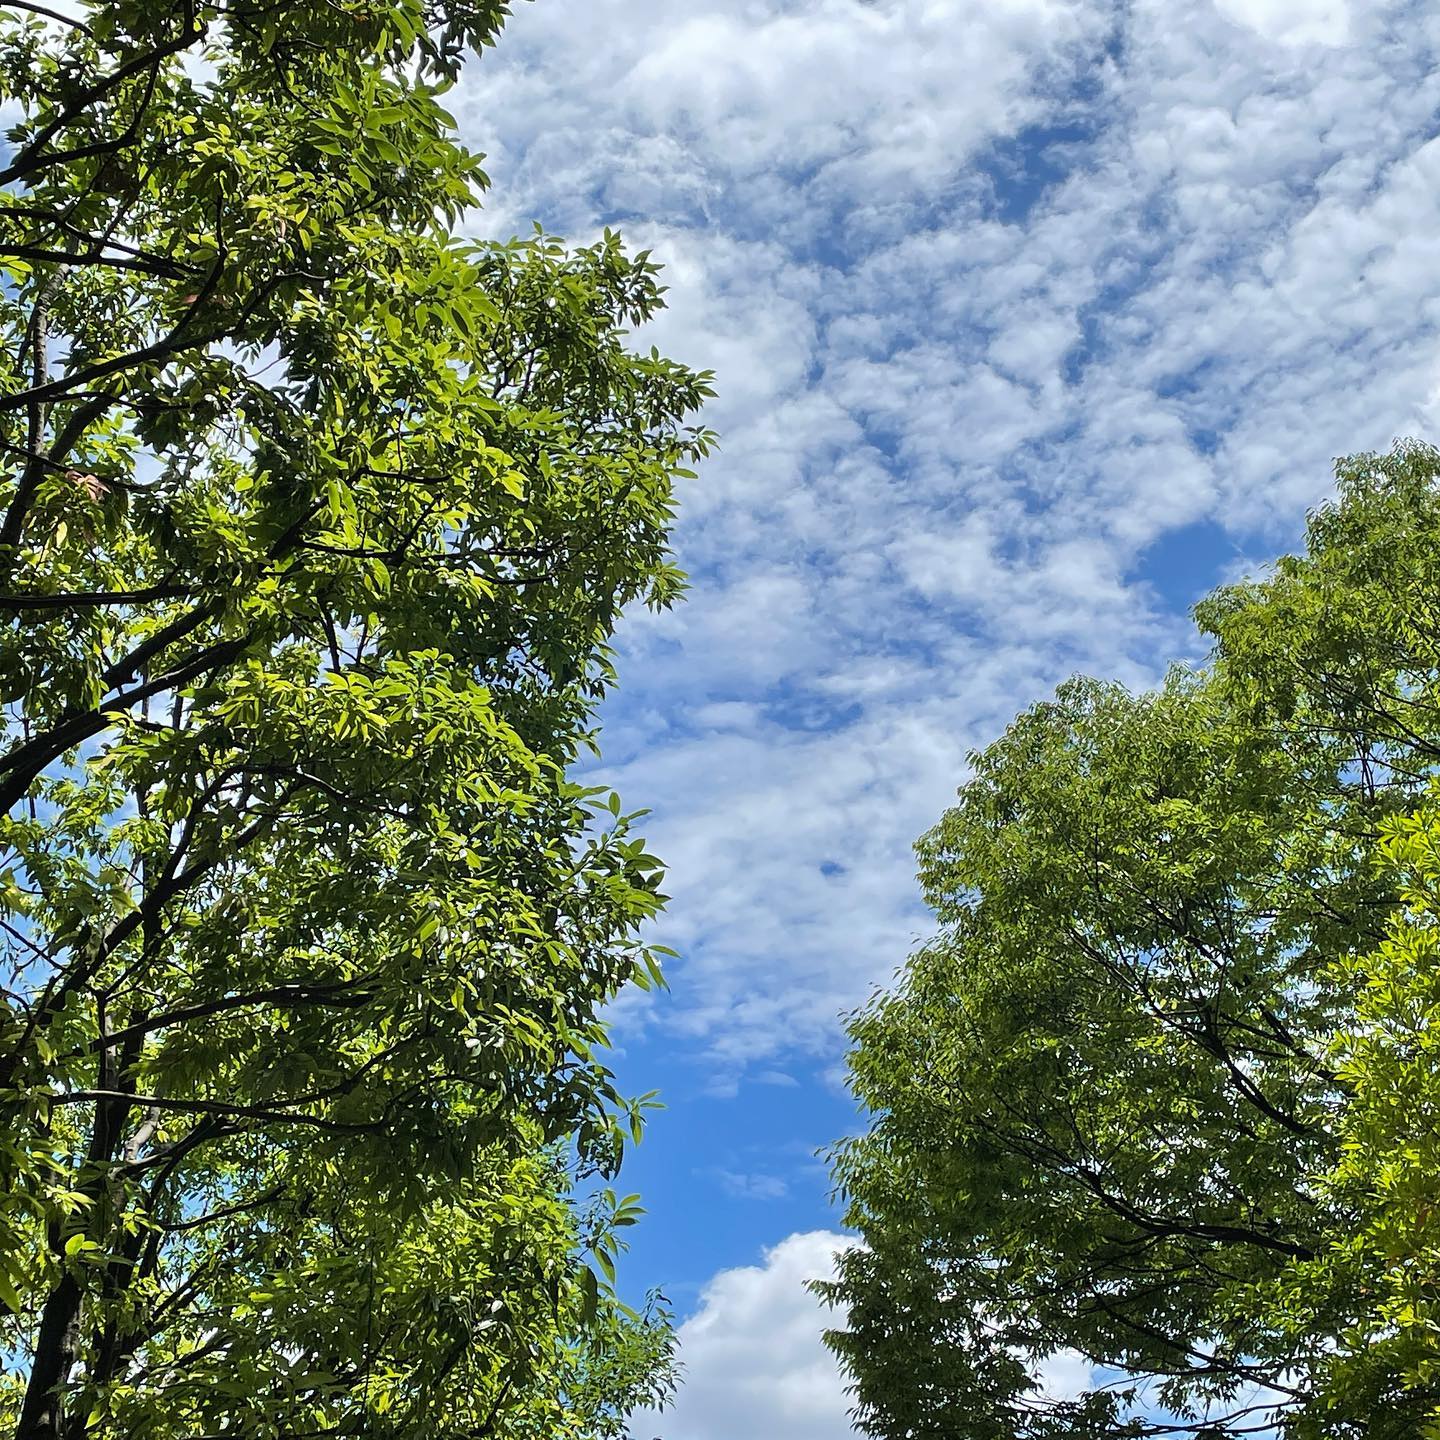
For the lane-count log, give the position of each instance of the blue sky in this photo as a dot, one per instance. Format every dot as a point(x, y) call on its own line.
point(1032, 319)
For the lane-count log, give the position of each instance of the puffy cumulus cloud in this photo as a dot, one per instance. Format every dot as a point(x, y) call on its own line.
point(1001, 298)
point(754, 1362)
point(753, 1359)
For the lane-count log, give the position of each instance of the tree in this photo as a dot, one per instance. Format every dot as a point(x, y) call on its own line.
point(317, 518)
point(1130, 1103)
point(1345, 643)
point(1388, 1172)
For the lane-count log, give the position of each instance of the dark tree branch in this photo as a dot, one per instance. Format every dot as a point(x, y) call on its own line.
point(31, 159)
point(49, 14)
point(337, 996)
point(165, 269)
point(72, 600)
point(228, 1110)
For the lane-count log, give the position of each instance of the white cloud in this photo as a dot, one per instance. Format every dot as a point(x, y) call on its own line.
point(1065, 1375)
point(741, 1185)
point(876, 100)
point(1292, 22)
point(959, 398)
point(754, 1362)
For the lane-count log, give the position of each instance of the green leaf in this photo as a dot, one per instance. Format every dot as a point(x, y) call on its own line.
point(330, 891)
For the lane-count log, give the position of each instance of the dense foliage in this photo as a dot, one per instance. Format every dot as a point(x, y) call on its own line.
point(315, 518)
point(1158, 1102)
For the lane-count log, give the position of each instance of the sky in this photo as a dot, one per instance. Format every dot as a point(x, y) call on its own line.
point(1031, 321)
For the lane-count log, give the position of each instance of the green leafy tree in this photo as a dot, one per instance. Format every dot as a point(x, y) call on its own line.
point(1388, 1173)
point(1344, 643)
point(1132, 1102)
point(315, 519)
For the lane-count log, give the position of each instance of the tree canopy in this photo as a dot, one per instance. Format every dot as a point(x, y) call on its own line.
point(1158, 1100)
point(315, 520)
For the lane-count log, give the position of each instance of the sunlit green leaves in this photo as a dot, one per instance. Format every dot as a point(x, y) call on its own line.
point(317, 520)
point(1161, 1090)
